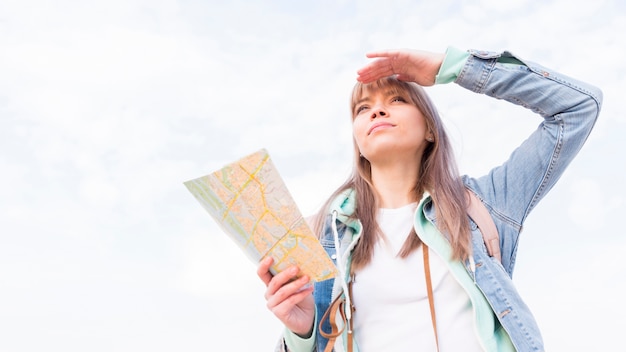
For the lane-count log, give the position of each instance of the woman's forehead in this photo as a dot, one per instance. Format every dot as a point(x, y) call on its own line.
point(378, 88)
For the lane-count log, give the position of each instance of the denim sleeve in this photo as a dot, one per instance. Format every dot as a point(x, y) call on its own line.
point(569, 109)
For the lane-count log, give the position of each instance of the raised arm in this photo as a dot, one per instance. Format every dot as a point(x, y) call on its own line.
point(569, 109)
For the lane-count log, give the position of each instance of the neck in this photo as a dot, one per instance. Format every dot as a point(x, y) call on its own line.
point(395, 183)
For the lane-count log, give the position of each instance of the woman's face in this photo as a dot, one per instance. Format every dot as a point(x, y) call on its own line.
point(388, 126)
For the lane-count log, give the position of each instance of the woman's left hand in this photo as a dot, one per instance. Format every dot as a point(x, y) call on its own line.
point(417, 66)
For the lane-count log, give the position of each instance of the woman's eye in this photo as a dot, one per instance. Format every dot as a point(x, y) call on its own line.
point(400, 99)
point(361, 108)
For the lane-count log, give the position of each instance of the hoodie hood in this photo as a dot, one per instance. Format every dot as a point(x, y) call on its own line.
point(344, 204)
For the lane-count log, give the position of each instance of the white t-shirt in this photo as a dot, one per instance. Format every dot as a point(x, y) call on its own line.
point(391, 300)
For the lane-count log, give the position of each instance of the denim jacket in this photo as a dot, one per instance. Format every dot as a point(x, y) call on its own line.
point(569, 109)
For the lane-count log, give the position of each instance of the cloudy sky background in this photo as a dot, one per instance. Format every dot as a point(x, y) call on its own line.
point(106, 108)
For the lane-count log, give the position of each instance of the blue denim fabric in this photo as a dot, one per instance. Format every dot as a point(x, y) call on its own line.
point(323, 290)
point(569, 109)
point(510, 191)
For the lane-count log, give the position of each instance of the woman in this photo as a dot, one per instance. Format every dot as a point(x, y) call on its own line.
point(415, 272)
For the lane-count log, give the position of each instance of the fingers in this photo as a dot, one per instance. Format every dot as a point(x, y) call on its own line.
point(383, 53)
point(288, 295)
point(382, 67)
point(285, 280)
point(375, 70)
point(295, 310)
point(263, 272)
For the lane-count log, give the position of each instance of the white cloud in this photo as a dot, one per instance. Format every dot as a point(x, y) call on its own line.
point(591, 204)
point(106, 108)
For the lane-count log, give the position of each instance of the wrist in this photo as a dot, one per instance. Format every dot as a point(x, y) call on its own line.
point(451, 65)
point(304, 334)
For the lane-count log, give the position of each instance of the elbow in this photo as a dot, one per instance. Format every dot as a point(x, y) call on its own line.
point(595, 97)
point(589, 109)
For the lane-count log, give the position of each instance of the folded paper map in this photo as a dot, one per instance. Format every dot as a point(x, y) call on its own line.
point(252, 204)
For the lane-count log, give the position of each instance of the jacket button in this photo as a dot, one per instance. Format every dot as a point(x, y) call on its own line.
point(334, 256)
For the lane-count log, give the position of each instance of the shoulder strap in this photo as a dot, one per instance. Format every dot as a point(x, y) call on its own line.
point(429, 289)
point(479, 213)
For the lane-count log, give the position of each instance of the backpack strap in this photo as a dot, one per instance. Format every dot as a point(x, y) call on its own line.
point(479, 213)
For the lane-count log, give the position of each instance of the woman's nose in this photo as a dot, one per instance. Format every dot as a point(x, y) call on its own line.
point(379, 112)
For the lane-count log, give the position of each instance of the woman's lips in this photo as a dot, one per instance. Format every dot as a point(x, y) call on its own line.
point(379, 126)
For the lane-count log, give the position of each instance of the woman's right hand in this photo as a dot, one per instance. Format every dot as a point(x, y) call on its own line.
point(290, 299)
point(417, 66)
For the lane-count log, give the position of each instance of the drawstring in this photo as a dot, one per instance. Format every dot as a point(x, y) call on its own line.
point(472, 265)
point(341, 267)
point(340, 306)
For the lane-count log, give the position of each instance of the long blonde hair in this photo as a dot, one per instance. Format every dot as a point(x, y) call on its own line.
point(438, 175)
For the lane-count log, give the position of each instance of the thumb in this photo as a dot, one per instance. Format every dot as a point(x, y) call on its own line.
point(380, 54)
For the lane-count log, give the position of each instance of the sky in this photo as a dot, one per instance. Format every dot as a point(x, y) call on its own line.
point(106, 108)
